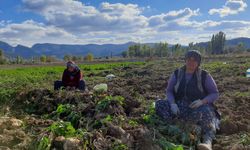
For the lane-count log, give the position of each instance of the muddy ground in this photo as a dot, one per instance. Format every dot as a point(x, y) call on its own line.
point(116, 123)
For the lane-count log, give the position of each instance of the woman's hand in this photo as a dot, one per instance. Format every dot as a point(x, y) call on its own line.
point(197, 103)
point(175, 110)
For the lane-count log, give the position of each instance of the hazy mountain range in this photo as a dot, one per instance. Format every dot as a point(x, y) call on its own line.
point(59, 50)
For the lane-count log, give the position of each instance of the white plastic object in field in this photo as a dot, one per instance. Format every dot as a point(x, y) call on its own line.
point(248, 73)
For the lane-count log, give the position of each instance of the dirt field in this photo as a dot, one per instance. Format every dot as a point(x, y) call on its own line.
point(123, 118)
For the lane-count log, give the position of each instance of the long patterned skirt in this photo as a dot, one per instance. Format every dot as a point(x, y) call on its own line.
point(205, 116)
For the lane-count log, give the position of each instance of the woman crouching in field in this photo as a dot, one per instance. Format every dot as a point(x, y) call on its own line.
point(191, 92)
point(72, 78)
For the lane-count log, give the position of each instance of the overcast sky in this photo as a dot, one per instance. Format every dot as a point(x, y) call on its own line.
point(28, 22)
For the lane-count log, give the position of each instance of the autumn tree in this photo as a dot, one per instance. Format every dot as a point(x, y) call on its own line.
point(89, 57)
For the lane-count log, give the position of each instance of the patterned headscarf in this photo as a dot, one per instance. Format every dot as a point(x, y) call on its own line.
point(195, 54)
point(71, 64)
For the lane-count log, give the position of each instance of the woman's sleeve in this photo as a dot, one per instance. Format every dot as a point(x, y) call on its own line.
point(170, 89)
point(64, 78)
point(78, 76)
point(211, 88)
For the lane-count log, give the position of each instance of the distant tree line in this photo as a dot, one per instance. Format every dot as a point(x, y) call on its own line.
point(5, 60)
point(215, 46)
point(42, 59)
point(67, 57)
point(89, 57)
point(161, 49)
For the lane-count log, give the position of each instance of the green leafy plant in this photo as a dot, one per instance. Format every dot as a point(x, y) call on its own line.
point(178, 134)
point(152, 108)
point(166, 145)
point(74, 117)
point(150, 117)
point(97, 124)
point(117, 145)
point(63, 109)
point(101, 105)
point(245, 139)
point(121, 147)
point(44, 144)
point(62, 129)
point(133, 123)
point(108, 118)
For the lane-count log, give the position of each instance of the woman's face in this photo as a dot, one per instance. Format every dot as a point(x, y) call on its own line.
point(71, 69)
point(191, 64)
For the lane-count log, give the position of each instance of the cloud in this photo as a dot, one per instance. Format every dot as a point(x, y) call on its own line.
point(175, 26)
point(115, 19)
point(5, 22)
point(2, 23)
point(231, 7)
point(74, 16)
point(173, 16)
point(30, 32)
point(188, 31)
point(119, 9)
point(174, 20)
point(225, 25)
point(183, 14)
point(156, 20)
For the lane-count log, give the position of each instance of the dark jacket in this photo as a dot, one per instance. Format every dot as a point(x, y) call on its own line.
point(71, 78)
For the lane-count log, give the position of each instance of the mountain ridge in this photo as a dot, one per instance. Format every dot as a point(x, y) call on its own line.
point(98, 50)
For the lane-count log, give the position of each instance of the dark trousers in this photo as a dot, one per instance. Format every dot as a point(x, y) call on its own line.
point(59, 84)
